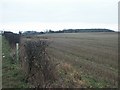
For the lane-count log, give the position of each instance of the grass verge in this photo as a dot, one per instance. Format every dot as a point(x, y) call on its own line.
point(12, 75)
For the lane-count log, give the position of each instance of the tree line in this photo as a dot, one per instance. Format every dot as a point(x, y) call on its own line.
point(12, 38)
point(67, 31)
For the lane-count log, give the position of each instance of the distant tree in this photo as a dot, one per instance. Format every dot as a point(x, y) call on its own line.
point(50, 31)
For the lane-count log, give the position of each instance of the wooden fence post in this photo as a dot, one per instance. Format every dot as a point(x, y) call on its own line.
point(17, 52)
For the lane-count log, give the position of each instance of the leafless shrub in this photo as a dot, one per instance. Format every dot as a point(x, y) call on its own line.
point(39, 68)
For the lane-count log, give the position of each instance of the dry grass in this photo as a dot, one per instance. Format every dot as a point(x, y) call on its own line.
point(93, 54)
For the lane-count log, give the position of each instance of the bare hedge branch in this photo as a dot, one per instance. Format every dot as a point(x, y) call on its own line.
point(40, 69)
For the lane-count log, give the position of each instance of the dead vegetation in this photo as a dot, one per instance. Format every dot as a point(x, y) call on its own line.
point(38, 67)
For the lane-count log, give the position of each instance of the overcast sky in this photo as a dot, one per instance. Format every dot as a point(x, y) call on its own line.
point(58, 14)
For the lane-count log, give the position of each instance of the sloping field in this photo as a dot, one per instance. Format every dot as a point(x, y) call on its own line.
point(93, 55)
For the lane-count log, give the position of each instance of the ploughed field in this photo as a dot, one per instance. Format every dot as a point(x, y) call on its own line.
point(93, 55)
